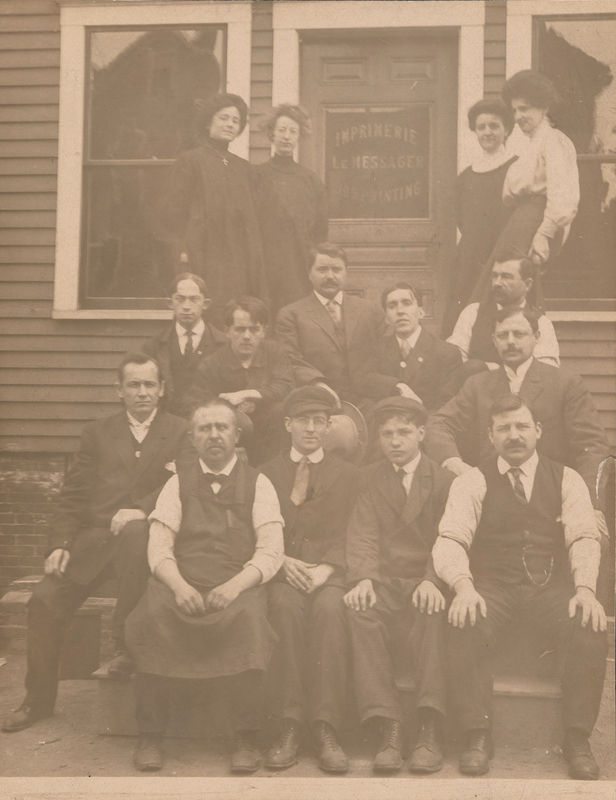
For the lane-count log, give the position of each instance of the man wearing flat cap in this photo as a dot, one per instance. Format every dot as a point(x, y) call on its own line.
point(392, 529)
point(316, 491)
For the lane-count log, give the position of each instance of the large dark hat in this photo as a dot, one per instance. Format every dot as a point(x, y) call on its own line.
point(402, 405)
point(309, 398)
point(347, 437)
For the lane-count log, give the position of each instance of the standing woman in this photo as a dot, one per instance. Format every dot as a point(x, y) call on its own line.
point(542, 186)
point(212, 205)
point(480, 213)
point(292, 208)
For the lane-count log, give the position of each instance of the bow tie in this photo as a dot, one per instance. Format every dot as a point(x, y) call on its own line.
point(211, 477)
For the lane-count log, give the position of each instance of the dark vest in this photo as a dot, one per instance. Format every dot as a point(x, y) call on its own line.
point(511, 533)
point(183, 368)
point(216, 537)
point(482, 346)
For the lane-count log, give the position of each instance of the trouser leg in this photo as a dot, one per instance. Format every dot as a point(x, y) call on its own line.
point(287, 610)
point(151, 702)
point(245, 698)
point(50, 610)
point(131, 568)
point(375, 687)
point(469, 650)
point(329, 656)
point(585, 653)
point(427, 640)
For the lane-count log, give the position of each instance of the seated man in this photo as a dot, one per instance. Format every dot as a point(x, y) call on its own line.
point(390, 535)
point(511, 282)
point(572, 432)
point(316, 492)
point(251, 372)
point(328, 332)
point(408, 360)
point(519, 537)
point(181, 346)
point(99, 530)
point(215, 538)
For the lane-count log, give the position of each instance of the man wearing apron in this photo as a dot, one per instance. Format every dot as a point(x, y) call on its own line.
point(215, 539)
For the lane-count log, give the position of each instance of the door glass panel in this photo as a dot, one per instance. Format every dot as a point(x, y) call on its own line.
point(378, 163)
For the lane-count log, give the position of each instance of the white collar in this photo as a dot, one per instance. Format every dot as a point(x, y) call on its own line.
point(520, 372)
point(411, 466)
point(542, 128)
point(487, 162)
point(314, 458)
point(522, 305)
point(412, 339)
point(224, 471)
point(197, 330)
point(528, 468)
point(134, 423)
point(325, 300)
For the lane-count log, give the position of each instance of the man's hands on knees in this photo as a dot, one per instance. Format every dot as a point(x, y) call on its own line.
point(320, 575)
point(592, 610)
point(222, 596)
point(189, 600)
point(466, 602)
point(361, 597)
point(427, 598)
point(123, 517)
point(56, 562)
point(298, 573)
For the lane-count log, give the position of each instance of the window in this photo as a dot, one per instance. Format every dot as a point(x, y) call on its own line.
point(129, 76)
point(579, 56)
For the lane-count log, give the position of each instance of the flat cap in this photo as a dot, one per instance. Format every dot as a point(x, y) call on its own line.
point(402, 405)
point(309, 398)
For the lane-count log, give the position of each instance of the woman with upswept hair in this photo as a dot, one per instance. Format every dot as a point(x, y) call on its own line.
point(292, 208)
point(212, 206)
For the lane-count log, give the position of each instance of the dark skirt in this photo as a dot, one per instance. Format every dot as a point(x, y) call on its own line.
point(515, 242)
point(164, 641)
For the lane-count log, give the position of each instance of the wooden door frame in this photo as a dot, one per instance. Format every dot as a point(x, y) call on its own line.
point(292, 17)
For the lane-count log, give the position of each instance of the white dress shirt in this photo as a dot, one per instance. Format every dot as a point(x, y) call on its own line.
point(516, 378)
point(325, 300)
point(182, 333)
point(166, 519)
point(410, 341)
point(463, 513)
point(546, 349)
point(140, 429)
point(314, 458)
point(409, 472)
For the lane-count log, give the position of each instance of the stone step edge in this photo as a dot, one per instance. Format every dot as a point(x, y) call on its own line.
point(15, 602)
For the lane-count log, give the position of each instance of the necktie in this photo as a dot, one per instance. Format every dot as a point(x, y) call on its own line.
point(518, 489)
point(300, 485)
point(405, 347)
point(334, 312)
point(188, 350)
point(401, 476)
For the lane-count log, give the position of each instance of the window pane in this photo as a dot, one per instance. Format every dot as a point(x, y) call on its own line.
point(585, 266)
point(579, 55)
point(142, 88)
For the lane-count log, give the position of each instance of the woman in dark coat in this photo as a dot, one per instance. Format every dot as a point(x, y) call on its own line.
point(480, 213)
point(212, 206)
point(292, 209)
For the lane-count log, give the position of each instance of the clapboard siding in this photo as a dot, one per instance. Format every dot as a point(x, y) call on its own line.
point(494, 47)
point(261, 58)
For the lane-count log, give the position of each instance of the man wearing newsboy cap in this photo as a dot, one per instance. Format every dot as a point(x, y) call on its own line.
point(316, 491)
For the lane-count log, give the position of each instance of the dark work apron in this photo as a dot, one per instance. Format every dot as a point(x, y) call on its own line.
point(215, 540)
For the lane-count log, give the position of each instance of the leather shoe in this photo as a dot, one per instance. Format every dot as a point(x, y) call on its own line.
point(148, 754)
point(428, 753)
point(576, 749)
point(388, 757)
point(283, 753)
point(21, 719)
point(332, 757)
point(121, 665)
point(475, 758)
point(246, 756)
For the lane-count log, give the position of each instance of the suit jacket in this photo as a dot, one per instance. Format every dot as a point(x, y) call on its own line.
point(315, 531)
point(161, 346)
point(391, 534)
point(306, 331)
point(428, 369)
point(572, 432)
point(270, 374)
point(107, 476)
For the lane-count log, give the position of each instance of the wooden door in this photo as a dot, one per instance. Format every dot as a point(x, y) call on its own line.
point(384, 115)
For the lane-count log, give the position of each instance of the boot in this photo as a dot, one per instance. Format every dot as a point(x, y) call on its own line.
point(283, 753)
point(389, 754)
point(428, 753)
point(148, 753)
point(246, 756)
point(475, 758)
point(332, 757)
point(121, 665)
point(576, 749)
point(22, 718)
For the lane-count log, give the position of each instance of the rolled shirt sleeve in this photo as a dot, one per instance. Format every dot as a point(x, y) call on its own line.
point(463, 330)
point(582, 536)
point(267, 522)
point(165, 523)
